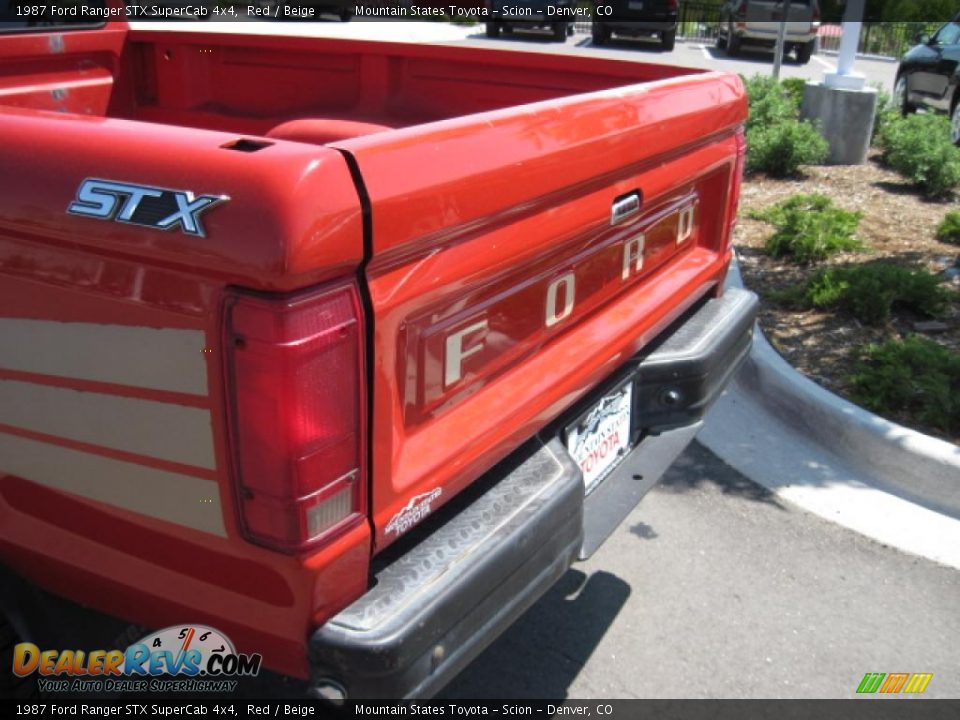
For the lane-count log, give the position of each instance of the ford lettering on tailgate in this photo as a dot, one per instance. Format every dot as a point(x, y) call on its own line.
point(470, 339)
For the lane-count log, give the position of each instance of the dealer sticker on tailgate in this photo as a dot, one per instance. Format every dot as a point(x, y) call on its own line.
point(602, 437)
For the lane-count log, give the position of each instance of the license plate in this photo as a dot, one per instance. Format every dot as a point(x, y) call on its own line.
point(601, 438)
point(635, 5)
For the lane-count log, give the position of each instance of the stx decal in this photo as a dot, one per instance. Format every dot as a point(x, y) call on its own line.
point(154, 207)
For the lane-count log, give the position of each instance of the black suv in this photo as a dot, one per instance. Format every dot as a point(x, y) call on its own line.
point(929, 76)
point(635, 18)
point(531, 15)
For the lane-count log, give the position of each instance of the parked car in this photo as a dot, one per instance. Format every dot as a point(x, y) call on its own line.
point(635, 18)
point(929, 75)
point(531, 15)
point(757, 22)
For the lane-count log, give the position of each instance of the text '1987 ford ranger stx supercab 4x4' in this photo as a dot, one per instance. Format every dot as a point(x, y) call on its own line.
point(345, 349)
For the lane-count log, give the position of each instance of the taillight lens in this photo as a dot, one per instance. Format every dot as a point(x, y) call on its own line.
point(295, 368)
point(742, 11)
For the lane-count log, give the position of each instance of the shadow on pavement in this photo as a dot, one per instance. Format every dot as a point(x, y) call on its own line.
point(644, 531)
point(651, 44)
point(697, 466)
point(540, 36)
point(545, 650)
point(750, 54)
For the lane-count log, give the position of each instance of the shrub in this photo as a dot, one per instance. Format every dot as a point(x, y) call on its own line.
point(949, 230)
point(769, 103)
point(870, 292)
point(810, 228)
point(886, 111)
point(915, 375)
point(919, 148)
point(793, 87)
point(781, 149)
point(778, 143)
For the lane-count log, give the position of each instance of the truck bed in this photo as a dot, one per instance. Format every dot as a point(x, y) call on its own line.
point(454, 187)
point(251, 83)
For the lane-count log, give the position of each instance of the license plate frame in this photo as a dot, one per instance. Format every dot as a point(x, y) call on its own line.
point(600, 438)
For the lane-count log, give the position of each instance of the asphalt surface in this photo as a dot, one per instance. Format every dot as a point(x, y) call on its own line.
point(713, 588)
point(690, 53)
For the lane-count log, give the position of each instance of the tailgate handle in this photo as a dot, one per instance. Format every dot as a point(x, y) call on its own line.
point(625, 206)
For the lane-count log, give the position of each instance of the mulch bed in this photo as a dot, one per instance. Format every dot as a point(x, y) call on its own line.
point(899, 226)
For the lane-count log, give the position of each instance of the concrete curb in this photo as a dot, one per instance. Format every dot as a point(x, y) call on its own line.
point(836, 459)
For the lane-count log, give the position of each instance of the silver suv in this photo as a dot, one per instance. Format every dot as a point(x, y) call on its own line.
point(758, 21)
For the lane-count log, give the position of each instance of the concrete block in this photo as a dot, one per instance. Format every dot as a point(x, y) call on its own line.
point(845, 118)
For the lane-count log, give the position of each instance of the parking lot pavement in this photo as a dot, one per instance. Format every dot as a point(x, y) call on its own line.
point(714, 588)
point(701, 54)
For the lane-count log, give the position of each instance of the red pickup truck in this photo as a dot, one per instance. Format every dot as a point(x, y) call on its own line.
point(345, 349)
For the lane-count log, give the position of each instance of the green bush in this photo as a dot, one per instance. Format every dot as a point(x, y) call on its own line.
point(770, 104)
point(915, 375)
point(778, 143)
point(949, 230)
point(886, 111)
point(870, 292)
point(919, 148)
point(810, 228)
point(780, 149)
point(793, 87)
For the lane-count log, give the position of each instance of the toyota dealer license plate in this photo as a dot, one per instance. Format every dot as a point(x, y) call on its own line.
point(601, 438)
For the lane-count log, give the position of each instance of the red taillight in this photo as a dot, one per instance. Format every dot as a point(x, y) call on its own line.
point(742, 11)
point(295, 368)
point(672, 4)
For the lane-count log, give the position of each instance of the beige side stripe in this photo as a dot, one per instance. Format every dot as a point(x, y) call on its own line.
point(156, 429)
point(180, 499)
point(160, 359)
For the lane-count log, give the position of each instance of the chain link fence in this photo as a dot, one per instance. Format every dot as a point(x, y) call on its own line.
point(885, 39)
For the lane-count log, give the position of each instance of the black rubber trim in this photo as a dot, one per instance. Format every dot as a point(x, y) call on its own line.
point(679, 380)
point(436, 607)
point(369, 316)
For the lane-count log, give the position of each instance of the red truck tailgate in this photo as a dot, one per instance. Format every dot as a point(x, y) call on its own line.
point(501, 287)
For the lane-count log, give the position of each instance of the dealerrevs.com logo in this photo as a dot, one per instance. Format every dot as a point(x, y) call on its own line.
point(192, 658)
